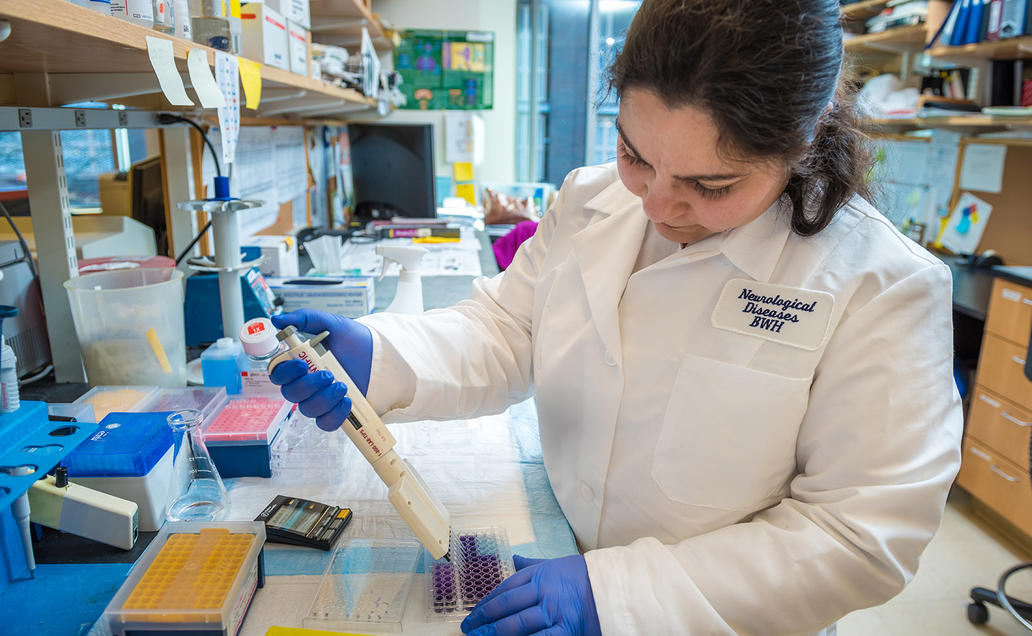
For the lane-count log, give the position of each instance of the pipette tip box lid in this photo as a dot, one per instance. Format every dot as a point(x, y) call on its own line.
point(125, 445)
point(193, 579)
point(208, 400)
point(123, 399)
point(366, 586)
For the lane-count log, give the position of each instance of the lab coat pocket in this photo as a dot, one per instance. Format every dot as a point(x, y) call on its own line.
point(728, 435)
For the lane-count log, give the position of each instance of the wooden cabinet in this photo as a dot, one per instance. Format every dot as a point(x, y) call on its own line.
point(995, 463)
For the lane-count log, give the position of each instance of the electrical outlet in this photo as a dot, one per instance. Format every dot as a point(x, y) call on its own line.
point(123, 119)
point(25, 117)
point(80, 119)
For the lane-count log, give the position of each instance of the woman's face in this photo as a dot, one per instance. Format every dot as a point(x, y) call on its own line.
point(669, 158)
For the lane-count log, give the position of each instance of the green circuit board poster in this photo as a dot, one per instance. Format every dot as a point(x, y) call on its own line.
point(446, 70)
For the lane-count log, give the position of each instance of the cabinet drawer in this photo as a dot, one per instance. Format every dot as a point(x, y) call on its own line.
point(1010, 311)
point(1001, 369)
point(998, 483)
point(1000, 425)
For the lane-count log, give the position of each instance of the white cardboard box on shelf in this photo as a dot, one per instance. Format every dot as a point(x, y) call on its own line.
point(294, 10)
point(265, 35)
point(297, 46)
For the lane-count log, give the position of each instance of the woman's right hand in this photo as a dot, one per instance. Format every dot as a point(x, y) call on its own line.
point(317, 394)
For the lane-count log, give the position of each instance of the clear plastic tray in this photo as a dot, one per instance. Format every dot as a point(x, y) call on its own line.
point(121, 399)
point(366, 586)
point(193, 578)
point(480, 559)
point(208, 400)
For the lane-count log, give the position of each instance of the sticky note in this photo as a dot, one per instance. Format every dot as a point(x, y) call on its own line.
point(203, 82)
point(234, 8)
point(463, 171)
point(251, 78)
point(163, 61)
point(467, 192)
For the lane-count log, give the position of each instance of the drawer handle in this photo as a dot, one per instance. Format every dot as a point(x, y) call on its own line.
point(1020, 361)
point(1027, 301)
point(1007, 416)
point(999, 472)
point(988, 400)
point(981, 454)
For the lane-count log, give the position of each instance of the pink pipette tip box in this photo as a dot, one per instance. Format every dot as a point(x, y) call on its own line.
point(248, 419)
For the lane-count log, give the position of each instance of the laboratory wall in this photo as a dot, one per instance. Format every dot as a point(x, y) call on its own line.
point(498, 16)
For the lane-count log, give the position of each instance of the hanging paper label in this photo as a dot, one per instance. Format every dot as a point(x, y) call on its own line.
point(203, 83)
point(228, 75)
point(163, 61)
point(251, 78)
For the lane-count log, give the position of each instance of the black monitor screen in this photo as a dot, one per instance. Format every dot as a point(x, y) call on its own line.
point(392, 168)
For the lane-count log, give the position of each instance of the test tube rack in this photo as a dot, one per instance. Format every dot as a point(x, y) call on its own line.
point(480, 559)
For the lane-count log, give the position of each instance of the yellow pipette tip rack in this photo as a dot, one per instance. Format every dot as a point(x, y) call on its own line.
point(193, 578)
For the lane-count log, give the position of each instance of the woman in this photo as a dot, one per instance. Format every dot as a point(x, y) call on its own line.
point(742, 370)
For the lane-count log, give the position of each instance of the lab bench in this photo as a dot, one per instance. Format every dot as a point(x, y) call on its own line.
point(497, 480)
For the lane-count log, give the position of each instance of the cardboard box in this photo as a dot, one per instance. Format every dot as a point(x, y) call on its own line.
point(265, 35)
point(351, 296)
point(279, 252)
point(294, 10)
point(298, 47)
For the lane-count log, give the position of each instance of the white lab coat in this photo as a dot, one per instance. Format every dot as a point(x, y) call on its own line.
point(717, 481)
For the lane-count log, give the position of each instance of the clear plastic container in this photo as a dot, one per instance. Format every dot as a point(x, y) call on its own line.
point(130, 326)
point(366, 586)
point(221, 364)
point(116, 399)
point(208, 400)
point(193, 578)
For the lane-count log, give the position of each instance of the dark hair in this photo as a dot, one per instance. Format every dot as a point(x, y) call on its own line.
point(765, 71)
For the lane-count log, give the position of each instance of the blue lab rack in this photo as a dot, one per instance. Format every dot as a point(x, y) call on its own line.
point(30, 445)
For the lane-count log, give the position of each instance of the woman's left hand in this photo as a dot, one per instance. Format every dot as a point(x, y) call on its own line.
point(545, 596)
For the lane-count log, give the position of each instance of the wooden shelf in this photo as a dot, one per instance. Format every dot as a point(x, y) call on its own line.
point(1009, 49)
point(974, 123)
point(340, 22)
point(87, 55)
point(909, 38)
point(862, 10)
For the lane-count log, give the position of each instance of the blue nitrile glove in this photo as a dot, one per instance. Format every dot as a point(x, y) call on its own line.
point(545, 596)
point(317, 395)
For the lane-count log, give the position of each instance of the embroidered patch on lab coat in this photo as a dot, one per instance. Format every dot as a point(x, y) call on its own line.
point(790, 315)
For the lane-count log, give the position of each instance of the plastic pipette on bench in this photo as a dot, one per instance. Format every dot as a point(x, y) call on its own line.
point(407, 492)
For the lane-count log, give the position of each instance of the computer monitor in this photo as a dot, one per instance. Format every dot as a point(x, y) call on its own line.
point(148, 199)
point(392, 167)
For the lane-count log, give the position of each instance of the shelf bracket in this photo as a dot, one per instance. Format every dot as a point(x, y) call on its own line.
point(55, 246)
point(71, 88)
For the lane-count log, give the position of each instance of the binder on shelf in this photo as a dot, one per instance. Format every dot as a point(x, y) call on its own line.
point(944, 34)
point(973, 29)
point(961, 25)
point(1013, 17)
point(993, 20)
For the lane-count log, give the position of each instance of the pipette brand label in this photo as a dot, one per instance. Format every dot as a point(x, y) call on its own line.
point(790, 315)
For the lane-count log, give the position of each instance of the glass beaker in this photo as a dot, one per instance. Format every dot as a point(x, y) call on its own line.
point(204, 499)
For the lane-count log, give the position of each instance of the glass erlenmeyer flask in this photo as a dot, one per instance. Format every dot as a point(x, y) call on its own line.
point(204, 499)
